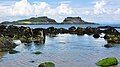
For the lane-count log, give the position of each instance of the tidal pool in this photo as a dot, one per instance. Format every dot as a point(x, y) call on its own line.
point(65, 50)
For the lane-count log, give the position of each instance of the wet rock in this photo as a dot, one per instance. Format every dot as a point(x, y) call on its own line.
point(47, 64)
point(62, 30)
point(80, 31)
point(6, 43)
point(89, 30)
point(13, 52)
point(112, 39)
point(72, 30)
point(38, 36)
point(96, 35)
point(37, 52)
point(26, 35)
point(32, 61)
point(108, 45)
point(111, 30)
point(110, 61)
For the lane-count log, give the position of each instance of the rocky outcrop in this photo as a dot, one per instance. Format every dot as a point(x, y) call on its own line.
point(24, 34)
point(75, 20)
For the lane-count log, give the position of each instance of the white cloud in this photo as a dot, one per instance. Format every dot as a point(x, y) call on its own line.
point(22, 7)
point(117, 11)
point(101, 10)
point(99, 7)
point(65, 9)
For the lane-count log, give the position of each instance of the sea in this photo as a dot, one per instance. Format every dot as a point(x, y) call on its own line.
point(65, 50)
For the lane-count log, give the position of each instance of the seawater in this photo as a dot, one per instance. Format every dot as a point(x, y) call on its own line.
point(65, 50)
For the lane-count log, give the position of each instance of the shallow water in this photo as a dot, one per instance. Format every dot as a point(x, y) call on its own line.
point(65, 50)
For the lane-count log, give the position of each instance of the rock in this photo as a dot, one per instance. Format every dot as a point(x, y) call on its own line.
point(111, 30)
point(89, 30)
point(112, 39)
point(38, 36)
point(72, 30)
point(13, 52)
point(110, 61)
point(26, 35)
point(80, 31)
point(108, 45)
point(47, 64)
point(63, 30)
point(37, 52)
point(96, 35)
point(6, 43)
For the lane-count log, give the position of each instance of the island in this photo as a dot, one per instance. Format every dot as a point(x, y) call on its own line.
point(75, 20)
point(45, 20)
point(32, 20)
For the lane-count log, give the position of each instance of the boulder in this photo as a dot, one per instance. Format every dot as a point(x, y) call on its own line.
point(80, 31)
point(110, 61)
point(112, 39)
point(38, 36)
point(47, 64)
point(111, 30)
point(96, 35)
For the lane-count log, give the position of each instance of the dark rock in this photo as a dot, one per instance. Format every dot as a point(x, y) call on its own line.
point(89, 30)
point(38, 36)
point(108, 45)
point(112, 39)
point(111, 30)
point(37, 52)
point(47, 64)
point(80, 31)
point(13, 52)
point(72, 30)
point(96, 35)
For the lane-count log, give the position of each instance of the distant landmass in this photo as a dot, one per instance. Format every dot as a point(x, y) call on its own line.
point(75, 20)
point(46, 20)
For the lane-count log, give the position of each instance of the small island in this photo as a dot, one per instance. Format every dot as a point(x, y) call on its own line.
point(45, 20)
point(75, 20)
point(32, 20)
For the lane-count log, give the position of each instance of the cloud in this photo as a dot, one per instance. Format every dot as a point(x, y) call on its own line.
point(99, 7)
point(24, 8)
point(100, 10)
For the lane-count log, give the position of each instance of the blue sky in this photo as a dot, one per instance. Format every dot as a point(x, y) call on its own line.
point(102, 11)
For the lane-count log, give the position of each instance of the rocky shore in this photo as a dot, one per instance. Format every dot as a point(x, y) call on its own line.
point(37, 35)
point(24, 34)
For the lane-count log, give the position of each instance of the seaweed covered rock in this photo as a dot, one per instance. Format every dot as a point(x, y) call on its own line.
point(6, 43)
point(80, 31)
point(72, 30)
point(26, 35)
point(89, 30)
point(111, 30)
point(113, 39)
point(38, 36)
point(47, 64)
point(110, 61)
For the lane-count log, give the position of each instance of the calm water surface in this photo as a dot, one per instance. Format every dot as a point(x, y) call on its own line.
point(65, 50)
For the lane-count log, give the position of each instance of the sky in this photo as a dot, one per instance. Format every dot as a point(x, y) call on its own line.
point(99, 11)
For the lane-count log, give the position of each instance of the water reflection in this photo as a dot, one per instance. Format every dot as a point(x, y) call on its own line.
point(65, 50)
